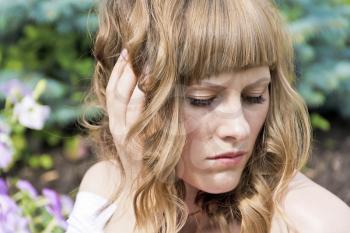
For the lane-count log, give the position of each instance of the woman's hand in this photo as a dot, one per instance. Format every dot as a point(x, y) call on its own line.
point(125, 101)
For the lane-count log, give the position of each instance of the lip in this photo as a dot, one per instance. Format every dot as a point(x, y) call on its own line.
point(228, 155)
point(227, 160)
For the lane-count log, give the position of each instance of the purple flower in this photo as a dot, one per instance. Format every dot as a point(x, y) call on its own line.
point(14, 90)
point(25, 186)
point(11, 219)
point(3, 187)
point(31, 114)
point(6, 151)
point(54, 206)
point(67, 204)
point(53, 198)
point(67, 207)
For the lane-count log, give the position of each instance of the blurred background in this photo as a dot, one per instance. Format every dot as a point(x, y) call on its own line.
point(46, 65)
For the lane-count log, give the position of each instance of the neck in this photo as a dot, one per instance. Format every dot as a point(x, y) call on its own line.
point(191, 193)
point(196, 216)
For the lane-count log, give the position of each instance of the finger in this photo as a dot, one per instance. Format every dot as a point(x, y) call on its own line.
point(111, 98)
point(116, 72)
point(124, 90)
point(137, 100)
point(135, 106)
point(134, 112)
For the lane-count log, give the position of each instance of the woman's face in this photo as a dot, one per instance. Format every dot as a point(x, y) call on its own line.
point(229, 122)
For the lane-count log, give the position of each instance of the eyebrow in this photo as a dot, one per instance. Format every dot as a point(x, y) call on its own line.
point(255, 83)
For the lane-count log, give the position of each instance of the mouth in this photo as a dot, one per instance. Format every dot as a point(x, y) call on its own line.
point(227, 155)
point(227, 159)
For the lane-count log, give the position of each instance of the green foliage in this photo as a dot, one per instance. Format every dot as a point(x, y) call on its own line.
point(321, 33)
point(65, 15)
point(319, 122)
point(47, 40)
point(41, 161)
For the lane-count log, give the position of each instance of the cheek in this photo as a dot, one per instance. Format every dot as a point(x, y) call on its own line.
point(256, 119)
point(191, 154)
point(193, 121)
point(194, 151)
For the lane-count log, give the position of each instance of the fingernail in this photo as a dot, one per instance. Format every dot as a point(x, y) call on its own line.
point(124, 54)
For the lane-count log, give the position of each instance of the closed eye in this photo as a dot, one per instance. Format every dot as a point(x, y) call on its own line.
point(208, 102)
point(200, 102)
point(254, 99)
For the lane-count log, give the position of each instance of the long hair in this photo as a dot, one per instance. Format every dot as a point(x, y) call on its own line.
point(183, 42)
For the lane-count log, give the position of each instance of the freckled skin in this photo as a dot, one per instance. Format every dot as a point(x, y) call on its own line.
point(230, 123)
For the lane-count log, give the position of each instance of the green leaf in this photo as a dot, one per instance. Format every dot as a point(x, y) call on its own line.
point(19, 141)
point(34, 161)
point(46, 161)
point(54, 137)
point(71, 147)
point(320, 122)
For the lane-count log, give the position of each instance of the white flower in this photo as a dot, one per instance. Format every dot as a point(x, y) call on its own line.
point(31, 114)
point(6, 151)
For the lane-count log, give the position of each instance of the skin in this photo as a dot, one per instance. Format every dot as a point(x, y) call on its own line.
point(231, 122)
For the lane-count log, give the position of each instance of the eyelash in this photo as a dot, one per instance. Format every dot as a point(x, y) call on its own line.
point(206, 102)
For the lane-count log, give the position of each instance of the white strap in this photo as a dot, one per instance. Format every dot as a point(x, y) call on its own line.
point(84, 217)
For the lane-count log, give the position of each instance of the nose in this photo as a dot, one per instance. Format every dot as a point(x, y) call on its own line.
point(233, 126)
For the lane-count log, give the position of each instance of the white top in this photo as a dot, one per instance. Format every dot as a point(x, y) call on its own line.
point(83, 218)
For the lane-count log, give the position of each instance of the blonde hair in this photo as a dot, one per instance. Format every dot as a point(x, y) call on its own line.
point(182, 42)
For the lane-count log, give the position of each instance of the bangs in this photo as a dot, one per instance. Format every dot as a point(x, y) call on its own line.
point(226, 35)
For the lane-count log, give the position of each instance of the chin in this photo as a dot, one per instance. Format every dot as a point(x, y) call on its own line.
point(217, 189)
point(219, 185)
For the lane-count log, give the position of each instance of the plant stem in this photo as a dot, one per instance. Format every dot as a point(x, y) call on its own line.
point(49, 228)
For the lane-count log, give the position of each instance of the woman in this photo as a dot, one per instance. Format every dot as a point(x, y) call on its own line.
point(202, 129)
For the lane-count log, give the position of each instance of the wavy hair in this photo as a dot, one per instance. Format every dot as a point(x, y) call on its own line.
point(183, 42)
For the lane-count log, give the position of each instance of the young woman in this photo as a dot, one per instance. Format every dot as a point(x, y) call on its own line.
point(202, 129)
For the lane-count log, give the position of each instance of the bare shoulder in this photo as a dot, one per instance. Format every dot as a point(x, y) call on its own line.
point(312, 208)
point(101, 178)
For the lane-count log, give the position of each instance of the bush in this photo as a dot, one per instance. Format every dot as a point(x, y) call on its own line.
point(321, 35)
